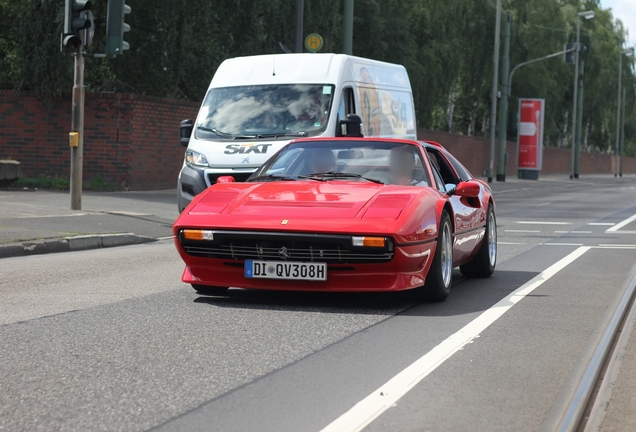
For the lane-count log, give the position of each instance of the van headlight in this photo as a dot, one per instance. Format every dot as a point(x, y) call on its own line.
point(195, 158)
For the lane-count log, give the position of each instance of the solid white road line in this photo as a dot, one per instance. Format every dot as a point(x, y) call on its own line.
point(561, 244)
point(523, 231)
point(543, 223)
point(509, 243)
point(371, 407)
point(622, 224)
point(602, 223)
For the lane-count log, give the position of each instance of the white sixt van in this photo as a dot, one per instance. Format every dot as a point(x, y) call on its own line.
point(257, 104)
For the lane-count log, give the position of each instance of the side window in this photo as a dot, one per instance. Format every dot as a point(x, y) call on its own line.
point(349, 100)
point(445, 169)
point(347, 104)
point(462, 172)
point(439, 183)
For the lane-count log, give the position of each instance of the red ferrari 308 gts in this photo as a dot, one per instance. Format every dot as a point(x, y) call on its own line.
point(342, 214)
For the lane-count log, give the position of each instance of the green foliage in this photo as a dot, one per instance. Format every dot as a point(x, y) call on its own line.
point(446, 45)
point(97, 182)
point(43, 182)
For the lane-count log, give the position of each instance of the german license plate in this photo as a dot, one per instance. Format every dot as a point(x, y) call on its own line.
point(285, 270)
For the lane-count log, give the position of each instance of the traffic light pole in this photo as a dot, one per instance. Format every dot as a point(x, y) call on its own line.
point(77, 125)
point(503, 106)
point(579, 122)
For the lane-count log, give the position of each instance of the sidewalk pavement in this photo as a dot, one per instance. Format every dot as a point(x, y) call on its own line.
point(37, 221)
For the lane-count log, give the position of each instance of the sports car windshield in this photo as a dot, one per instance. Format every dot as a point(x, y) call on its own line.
point(372, 161)
point(265, 111)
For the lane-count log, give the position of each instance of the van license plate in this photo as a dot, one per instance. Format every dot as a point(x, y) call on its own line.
point(286, 270)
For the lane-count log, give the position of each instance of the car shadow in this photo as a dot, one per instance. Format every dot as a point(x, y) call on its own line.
point(467, 296)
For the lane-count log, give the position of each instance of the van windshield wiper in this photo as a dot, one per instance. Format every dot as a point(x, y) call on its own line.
point(272, 177)
point(283, 134)
point(330, 175)
point(226, 134)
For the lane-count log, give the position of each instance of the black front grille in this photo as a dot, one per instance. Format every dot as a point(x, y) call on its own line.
point(239, 177)
point(238, 245)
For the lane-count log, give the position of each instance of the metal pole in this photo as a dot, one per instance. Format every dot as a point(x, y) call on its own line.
point(579, 121)
point(300, 6)
point(77, 125)
point(622, 147)
point(348, 28)
point(618, 112)
point(576, 86)
point(503, 109)
point(493, 108)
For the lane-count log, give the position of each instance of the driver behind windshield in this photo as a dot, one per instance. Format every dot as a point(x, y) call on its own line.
point(402, 165)
point(314, 113)
point(321, 160)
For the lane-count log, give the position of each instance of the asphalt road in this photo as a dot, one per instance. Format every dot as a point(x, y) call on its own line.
point(110, 339)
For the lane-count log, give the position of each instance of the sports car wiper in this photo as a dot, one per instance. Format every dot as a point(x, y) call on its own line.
point(325, 176)
point(284, 134)
point(226, 134)
point(272, 177)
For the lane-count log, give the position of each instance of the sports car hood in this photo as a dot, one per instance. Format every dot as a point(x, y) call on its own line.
point(296, 205)
point(302, 199)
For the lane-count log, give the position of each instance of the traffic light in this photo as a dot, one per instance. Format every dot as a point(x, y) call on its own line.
point(115, 27)
point(569, 57)
point(76, 18)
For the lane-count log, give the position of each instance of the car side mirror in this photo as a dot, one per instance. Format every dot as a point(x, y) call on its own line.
point(225, 179)
point(352, 126)
point(469, 189)
point(185, 132)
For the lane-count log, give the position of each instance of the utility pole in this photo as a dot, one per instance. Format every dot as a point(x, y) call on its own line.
point(579, 121)
point(348, 28)
point(622, 149)
point(300, 8)
point(503, 108)
point(627, 52)
point(77, 127)
point(493, 106)
point(586, 15)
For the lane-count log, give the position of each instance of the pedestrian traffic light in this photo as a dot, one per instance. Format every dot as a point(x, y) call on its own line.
point(76, 18)
point(115, 27)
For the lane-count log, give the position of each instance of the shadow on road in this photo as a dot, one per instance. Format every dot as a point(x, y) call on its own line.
point(467, 296)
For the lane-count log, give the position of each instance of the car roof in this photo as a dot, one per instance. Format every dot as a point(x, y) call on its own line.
point(421, 143)
point(358, 139)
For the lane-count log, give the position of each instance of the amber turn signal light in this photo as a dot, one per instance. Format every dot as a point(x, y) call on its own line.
point(368, 241)
point(194, 234)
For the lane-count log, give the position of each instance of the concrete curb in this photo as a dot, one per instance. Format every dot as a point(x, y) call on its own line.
point(71, 244)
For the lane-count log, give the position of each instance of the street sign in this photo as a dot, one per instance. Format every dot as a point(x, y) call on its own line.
point(530, 134)
point(313, 42)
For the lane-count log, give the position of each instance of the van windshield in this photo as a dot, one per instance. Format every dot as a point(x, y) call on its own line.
point(265, 111)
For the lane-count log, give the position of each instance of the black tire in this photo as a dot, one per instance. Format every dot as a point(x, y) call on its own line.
point(209, 290)
point(439, 279)
point(483, 264)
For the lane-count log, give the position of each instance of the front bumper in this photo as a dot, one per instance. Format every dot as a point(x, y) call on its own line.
point(406, 270)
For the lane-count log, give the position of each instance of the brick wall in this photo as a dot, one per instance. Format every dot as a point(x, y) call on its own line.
point(473, 152)
point(133, 140)
point(129, 139)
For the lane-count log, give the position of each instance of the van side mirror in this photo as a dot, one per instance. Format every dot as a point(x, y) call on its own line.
point(185, 132)
point(352, 126)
